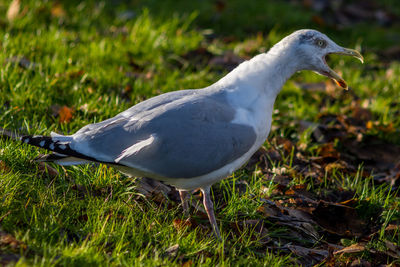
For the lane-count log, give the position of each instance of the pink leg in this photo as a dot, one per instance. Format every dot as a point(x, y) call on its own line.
point(184, 199)
point(208, 205)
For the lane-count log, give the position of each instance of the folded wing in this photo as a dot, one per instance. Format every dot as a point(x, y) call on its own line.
point(186, 136)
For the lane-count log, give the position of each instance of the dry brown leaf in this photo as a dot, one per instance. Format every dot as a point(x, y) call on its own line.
point(360, 113)
point(180, 224)
point(352, 202)
point(285, 143)
point(339, 219)
point(13, 10)
point(57, 10)
point(328, 151)
point(75, 74)
point(392, 228)
point(307, 255)
point(187, 263)
point(392, 249)
point(369, 125)
point(4, 168)
point(355, 248)
point(334, 166)
point(387, 128)
point(8, 240)
point(269, 211)
point(65, 114)
point(299, 215)
point(378, 155)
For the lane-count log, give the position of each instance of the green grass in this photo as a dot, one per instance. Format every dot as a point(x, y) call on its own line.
point(99, 61)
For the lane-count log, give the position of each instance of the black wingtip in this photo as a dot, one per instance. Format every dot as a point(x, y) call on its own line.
point(45, 142)
point(63, 148)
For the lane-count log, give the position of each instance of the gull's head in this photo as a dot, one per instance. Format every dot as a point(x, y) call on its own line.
point(311, 48)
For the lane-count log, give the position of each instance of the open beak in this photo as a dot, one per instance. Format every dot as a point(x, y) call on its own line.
point(333, 75)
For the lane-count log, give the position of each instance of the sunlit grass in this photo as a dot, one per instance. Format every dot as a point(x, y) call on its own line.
point(99, 63)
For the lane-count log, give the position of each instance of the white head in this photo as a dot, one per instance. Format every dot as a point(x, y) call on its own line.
point(310, 48)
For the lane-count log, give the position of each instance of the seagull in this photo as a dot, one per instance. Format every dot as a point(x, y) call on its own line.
point(191, 139)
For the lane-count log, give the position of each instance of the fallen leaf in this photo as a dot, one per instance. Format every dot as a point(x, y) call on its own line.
point(360, 113)
point(308, 256)
point(75, 74)
point(392, 228)
point(389, 128)
point(187, 263)
point(339, 219)
point(299, 215)
point(65, 114)
point(269, 211)
point(285, 143)
point(376, 154)
point(392, 249)
point(328, 151)
point(7, 240)
point(172, 251)
point(57, 10)
point(335, 166)
point(355, 248)
point(13, 10)
point(180, 224)
point(4, 168)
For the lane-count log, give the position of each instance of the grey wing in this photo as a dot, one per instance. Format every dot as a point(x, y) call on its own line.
point(144, 106)
point(182, 139)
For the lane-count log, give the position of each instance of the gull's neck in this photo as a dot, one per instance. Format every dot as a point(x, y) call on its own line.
point(264, 74)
